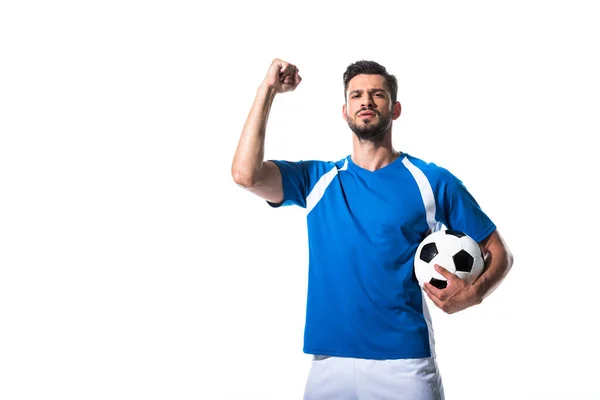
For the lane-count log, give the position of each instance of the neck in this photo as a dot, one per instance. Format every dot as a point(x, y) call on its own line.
point(371, 156)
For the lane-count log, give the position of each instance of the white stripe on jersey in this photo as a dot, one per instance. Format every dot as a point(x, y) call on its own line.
point(316, 194)
point(426, 193)
point(430, 209)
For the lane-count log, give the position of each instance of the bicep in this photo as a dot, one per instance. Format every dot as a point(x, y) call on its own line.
point(493, 245)
point(268, 184)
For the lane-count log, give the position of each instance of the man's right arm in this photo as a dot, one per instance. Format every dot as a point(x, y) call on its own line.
point(248, 169)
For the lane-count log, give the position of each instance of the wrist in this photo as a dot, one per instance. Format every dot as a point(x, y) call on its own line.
point(267, 89)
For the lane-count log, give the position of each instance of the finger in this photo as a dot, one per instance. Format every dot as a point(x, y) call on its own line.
point(441, 304)
point(444, 293)
point(444, 272)
point(283, 67)
point(289, 73)
point(287, 68)
point(433, 291)
point(435, 300)
point(282, 71)
point(297, 77)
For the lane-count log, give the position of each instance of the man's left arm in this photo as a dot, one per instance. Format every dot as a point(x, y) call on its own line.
point(458, 294)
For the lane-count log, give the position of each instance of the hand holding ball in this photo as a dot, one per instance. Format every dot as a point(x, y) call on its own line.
point(455, 251)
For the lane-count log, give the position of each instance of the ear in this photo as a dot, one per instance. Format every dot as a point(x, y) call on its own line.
point(397, 110)
point(344, 111)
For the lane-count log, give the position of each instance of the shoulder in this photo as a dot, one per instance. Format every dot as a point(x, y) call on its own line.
point(311, 168)
point(339, 163)
point(323, 164)
point(433, 171)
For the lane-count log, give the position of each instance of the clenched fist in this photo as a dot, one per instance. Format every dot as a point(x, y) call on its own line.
point(282, 76)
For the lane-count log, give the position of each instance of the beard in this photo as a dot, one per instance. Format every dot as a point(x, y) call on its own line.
point(370, 132)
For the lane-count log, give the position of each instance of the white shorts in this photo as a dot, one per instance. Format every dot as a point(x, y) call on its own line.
point(345, 378)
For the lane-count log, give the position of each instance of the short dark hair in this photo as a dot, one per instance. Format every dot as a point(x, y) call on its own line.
point(371, 68)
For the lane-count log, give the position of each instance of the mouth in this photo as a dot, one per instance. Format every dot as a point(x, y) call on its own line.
point(367, 114)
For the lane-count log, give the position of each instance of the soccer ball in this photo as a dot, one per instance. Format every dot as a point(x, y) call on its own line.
point(455, 251)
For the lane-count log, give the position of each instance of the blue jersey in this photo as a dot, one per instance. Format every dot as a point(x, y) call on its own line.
point(364, 228)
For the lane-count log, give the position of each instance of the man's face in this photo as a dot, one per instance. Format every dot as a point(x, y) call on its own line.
point(369, 110)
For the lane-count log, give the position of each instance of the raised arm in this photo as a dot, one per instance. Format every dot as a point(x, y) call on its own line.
point(248, 169)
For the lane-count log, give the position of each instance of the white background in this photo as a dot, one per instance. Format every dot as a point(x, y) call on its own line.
point(132, 266)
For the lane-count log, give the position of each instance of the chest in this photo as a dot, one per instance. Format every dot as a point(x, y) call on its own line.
point(384, 207)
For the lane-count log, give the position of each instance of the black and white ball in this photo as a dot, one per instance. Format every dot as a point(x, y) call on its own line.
point(453, 250)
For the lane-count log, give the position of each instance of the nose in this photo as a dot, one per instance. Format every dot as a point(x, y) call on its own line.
point(367, 101)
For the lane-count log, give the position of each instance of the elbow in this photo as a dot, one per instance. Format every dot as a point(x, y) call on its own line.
point(242, 178)
point(509, 260)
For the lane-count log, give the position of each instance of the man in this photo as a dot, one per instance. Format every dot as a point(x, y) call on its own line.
point(367, 323)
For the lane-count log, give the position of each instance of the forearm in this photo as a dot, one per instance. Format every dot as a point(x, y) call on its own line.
point(249, 155)
point(499, 261)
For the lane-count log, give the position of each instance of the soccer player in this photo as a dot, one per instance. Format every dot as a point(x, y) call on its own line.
point(367, 323)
